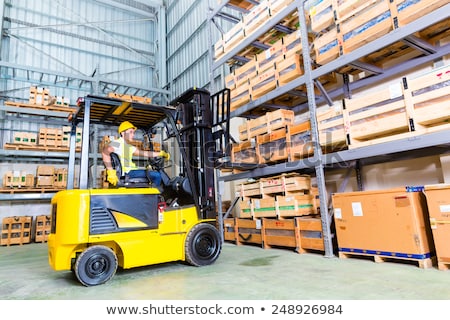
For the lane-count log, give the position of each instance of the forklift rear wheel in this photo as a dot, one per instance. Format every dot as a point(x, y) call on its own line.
point(95, 265)
point(202, 245)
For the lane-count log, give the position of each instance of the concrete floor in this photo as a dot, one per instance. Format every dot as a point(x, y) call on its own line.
point(241, 273)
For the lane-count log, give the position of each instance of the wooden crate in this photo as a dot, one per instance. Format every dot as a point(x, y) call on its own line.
point(245, 153)
point(264, 207)
point(257, 16)
point(248, 231)
point(406, 11)
point(294, 205)
point(332, 124)
point(229, 229)
point(311, 234)
point(18, 179)
point(45, 170)
point(301, 145)
point(286, 183)
point(428, 96)
point(16, 230)
point(281, 233)
point(42, 228)
point(51, 137)
point(229, 40)
point(264, 82)
point(292, 44)
point(379, 114)
point(60, 178)
point(289, 69)
point(45, 181)
point(26, 138)
point(273, 147)
point(240, 95)
point(251, 189)
point(66, 136)
point(268, 123)
point(245, 208)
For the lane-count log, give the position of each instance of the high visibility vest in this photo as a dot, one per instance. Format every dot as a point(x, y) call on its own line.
point(125, 152)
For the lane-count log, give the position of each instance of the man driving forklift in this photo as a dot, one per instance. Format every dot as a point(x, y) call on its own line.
point(125, 151)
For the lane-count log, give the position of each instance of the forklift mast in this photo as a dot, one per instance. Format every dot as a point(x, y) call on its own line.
point(200, 116)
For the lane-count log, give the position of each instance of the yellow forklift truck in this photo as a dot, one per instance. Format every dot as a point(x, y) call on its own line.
point(96, 231)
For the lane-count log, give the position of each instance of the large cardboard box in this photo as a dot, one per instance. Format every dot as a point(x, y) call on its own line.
point(438, 200)
point(385, 223)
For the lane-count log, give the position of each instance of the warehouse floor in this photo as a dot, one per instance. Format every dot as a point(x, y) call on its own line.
point(243, 272)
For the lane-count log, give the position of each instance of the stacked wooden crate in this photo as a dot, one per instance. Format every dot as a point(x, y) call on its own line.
point(18, 179)
point(277, 211)
point(343, 26)
point(272, 138)
point(411, 107)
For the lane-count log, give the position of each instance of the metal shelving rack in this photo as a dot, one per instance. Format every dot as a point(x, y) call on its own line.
point(435, 142)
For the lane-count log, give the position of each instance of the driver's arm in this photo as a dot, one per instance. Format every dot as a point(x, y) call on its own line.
point(106, 156)
point(146, 153)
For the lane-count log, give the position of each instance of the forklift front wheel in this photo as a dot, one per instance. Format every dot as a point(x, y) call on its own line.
point(203, 245)
point(95, 265)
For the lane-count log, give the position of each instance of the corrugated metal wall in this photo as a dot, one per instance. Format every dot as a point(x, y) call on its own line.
point(188, 60)
point(80, 38)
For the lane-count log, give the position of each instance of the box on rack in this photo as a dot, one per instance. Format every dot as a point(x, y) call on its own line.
point(273, 147)
point(50, 137)
point(66, 130)
point(16, 178)
point(26, 138)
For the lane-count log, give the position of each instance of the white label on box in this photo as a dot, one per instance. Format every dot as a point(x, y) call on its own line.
point(395, 90)
point(257, 204)
point(357, 209)
point(258, 224)
point(338, 213)
point(445, 208)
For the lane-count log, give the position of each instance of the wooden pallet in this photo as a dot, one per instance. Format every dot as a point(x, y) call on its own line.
point(13, 146)
point(52, 107)
point(30, 190)
point(424, 261)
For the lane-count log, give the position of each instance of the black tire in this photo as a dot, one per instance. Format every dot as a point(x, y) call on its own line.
point(203, 245)
point(95, 265)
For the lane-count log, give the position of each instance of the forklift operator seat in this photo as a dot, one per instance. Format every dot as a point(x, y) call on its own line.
point(124, 179)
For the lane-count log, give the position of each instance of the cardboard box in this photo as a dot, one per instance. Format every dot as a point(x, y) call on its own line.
point(384, 223)
point(438, 202)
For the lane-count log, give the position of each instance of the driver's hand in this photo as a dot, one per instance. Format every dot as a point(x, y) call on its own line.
point(165, 155)
point(111, 176)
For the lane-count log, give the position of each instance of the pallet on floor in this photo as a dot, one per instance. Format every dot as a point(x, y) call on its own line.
point(303, 234)
point(424, 261)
